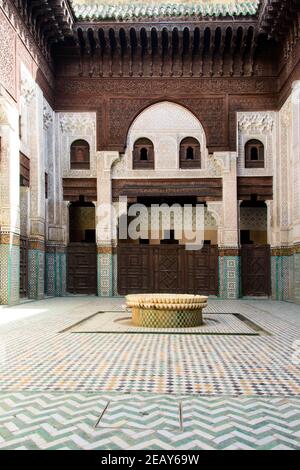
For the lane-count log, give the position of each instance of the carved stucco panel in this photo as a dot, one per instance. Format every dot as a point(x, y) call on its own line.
point(7, 55)
point(260, 126)
point(73, 126)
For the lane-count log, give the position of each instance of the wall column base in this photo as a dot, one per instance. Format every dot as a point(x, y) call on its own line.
point(105, 271)
point(56, 271)
point(229, 274)
point(36, 269)
point(9, 269)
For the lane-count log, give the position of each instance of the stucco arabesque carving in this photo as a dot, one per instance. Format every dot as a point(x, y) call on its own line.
point(27, 89)
point(8, 114)
point(223, 161)
point(47, 116)
point(74, 124)
point(261, 123)
point(216, 210)
point(286, 114)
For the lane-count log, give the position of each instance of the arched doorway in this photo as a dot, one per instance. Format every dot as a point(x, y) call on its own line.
point(255, 250)
point(82, 254)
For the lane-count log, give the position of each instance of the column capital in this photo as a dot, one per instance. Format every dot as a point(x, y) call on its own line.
point(8, 113)
point(106, 159)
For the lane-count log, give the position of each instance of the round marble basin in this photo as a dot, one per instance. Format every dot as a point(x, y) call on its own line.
point(166, 310)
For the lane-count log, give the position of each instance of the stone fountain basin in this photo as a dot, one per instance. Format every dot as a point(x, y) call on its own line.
point(166, 310)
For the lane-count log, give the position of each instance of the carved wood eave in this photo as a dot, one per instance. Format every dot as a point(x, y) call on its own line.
point(276, 16)
point(180, 48)
point(280, 20)
point(48, 21)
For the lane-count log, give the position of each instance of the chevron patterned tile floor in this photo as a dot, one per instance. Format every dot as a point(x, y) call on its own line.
point(148, 391)
point(55, 421)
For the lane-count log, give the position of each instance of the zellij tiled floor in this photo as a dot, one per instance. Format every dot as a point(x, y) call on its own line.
point(74, 374)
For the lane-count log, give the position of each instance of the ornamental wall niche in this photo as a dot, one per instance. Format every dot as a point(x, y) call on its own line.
point(71, 127)
point(166, 124)
point(257, 126)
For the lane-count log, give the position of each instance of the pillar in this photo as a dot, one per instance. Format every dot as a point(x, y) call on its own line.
point(55, 253)
point(36, 240)
point(106, 223)
point(9, 202)
point(229, 259)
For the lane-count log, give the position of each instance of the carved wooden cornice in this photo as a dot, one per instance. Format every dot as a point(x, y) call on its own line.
point(47, 20)
point(180, 48)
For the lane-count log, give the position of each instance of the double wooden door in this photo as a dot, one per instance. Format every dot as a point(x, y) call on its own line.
point(167, 269)
point(256, 270)
point(82, 268)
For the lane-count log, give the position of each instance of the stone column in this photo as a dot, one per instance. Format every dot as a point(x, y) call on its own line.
point(294, 265)
point(9, 202)
point(36, 241)
point(282, 212)
point(55, 256)
point(105, 225)
point(229, 259)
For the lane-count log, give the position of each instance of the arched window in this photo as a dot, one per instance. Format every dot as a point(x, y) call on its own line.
point(143, 154)
point(190, 153)
point(254, 154)
point(80, 155)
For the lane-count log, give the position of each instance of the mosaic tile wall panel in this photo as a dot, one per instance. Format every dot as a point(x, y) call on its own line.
point(229, 277)
point(296, 274)
point(55, 284)
point(36, 267)
point(105, 274)
point(9, 274)
point(280, 277)
point(115, 274)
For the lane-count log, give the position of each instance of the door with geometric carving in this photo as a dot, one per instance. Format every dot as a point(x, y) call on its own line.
point(256, 270)
point(82, 268)
point(168, 262)
point(167, 269)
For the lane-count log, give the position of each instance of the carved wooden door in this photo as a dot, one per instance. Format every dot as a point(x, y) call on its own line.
point(23, 267)
point(202, 271)
point(82, 268)
point(135, 270)
point(167, 269)
point(256, 270)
